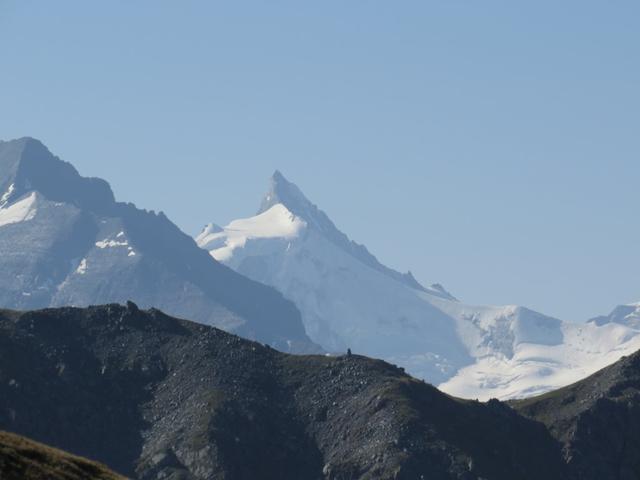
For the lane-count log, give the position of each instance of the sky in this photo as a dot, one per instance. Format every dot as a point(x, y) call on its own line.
point(493, 147)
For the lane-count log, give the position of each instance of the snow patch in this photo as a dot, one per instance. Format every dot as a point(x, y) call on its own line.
point(5, 198)
point(82, 268)
point(21, 211)
point(276, 222)
point(106, 243)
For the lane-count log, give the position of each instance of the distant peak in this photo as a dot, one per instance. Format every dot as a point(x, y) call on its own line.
point(21, 141)
point(283, 191)
point(211, 228)
point(278, 176)
point(27, 165)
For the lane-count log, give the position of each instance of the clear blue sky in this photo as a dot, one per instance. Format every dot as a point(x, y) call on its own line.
point(491, 146)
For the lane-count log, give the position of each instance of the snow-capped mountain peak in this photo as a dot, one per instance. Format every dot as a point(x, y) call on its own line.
point(349, 299)
point(64, 240)
point(28, 165)
point(286, 193)
point(281, 191)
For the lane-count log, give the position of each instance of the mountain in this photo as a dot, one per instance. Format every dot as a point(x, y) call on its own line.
point(285, 193)
point(627, 315)
point(64, 240)
point(348, 299)
point(595, 421)
point(152, 396)
point(24, 459)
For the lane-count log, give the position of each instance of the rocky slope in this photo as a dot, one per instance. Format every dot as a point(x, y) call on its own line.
point(349, 299)
point(64, 240)
point(156, 397)
point(24, 459)
point(596, 421)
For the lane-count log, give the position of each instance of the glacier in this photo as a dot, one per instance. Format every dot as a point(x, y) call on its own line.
point(348, 299)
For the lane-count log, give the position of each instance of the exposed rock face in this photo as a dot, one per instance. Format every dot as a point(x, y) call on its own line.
point(24, 459)
point(156, 397)
point(64, 240)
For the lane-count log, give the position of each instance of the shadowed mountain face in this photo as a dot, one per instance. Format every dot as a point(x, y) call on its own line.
point(64, 240)
point(156, 397)
point(23, 459)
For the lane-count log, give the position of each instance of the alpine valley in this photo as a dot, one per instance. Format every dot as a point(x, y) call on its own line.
point(349, 299)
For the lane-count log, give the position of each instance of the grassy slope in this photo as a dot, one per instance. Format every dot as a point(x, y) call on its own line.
point(24, 459)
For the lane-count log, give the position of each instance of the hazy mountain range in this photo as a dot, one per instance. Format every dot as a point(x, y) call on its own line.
point(64, 240)
point(295, 282)
point(156, 397)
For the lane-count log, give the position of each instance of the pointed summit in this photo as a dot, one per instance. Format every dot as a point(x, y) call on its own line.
point(11, 156)
point(27, 165)
point(290, 196)
point(65, 241)
point(282, 191)
point(286, 193)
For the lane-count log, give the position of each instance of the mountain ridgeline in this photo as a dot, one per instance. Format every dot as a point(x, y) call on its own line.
point(349, 299)
point(64, 240)
point(152, 397)
point(157, 397)
point(283, 192)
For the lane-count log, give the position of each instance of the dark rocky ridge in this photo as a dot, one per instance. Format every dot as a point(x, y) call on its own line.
point(83, 248)
point(156, 397)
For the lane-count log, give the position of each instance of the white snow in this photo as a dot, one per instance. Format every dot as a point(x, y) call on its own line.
point(120, 241)
point(468, 351)
point(5, 197)
point(106, 243)
point(277, 222)
point(546, 353)
point(20, 211)
point(82, 268)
